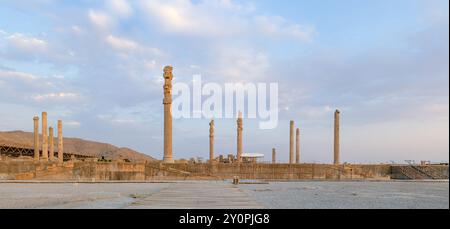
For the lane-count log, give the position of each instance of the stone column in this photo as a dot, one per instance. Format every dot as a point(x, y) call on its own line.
point(274, 156)
point(168, 76)
point(291, 143)
point(211, 141)
point(336, 138)
point(240, 128)
point(36, 138)
point(297, 146)
point(44, 137)
point(51, 148)
point(60, 143)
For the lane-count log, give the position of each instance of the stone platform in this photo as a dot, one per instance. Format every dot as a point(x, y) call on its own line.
point(123, 171)
point(224, 195)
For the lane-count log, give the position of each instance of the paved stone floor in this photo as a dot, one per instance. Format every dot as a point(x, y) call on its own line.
point(198, 195)
point(219, 194)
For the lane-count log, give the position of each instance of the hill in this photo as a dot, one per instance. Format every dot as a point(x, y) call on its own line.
point(78, 146)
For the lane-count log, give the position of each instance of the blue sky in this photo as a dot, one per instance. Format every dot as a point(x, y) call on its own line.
point(98, 64)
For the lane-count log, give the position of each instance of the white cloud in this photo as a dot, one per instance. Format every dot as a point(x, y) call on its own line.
point(133, 53)
point(100, 19)
point(17, 75)
point(204, 19)
point(72, 123)
point(279, 27)
point(20, 81)
point(238, 63)
point(53, 96)
point(76, 29)
point(150, 64)
point(230, 5)
point(124, 121)
point(121, 43)
point(120, 7)
point(26, 43)
point(221, 18)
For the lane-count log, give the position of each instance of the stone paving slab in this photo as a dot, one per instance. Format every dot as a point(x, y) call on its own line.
point(201, 195)
point(224, 195)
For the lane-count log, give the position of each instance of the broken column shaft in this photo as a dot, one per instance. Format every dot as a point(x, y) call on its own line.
point(297, 146)
point(291, 143)
point(44, 137)
point(36, 138)
point(240, 128)
point(51, 148)
point(274, 156)
point(211, 141)
point(60, 143)
point(336, 137)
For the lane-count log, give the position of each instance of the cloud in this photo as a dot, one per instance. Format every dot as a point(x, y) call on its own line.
point(26, 43)
point(278, 27)
point(221, 18)
point(233, 63)
point(23, 46)
point(20, 81)
point(76, 29)
point(121, 43)
point(100, 19)
point(56, 96)
point(17, 75)
point(72, 123)
point(120, 7)
point(186, 18)
point(33, 90)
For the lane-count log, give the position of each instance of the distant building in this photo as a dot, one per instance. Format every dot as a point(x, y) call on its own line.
point(251, 157)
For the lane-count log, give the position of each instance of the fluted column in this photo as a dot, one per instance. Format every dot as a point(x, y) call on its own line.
point(36, 138)
point(291, 143)
point(297, 146)
point(336, 137)
point(240, 128)
point(168, 76)
point(211, 141)
point(44, 137)
point(51, 148)
point(60, 143)
point(274, 156)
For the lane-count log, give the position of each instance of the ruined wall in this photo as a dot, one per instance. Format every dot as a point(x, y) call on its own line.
point(100, 171)
point(122, 171)
point(288, 171)
point(401, 172)
point(81, 171)
point(29, 170)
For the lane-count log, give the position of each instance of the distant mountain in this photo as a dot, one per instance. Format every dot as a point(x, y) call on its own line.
point(78, 146)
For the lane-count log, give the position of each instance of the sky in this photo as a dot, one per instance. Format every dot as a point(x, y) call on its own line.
point(97, 65)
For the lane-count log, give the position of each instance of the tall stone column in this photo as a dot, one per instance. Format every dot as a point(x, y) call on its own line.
point(36, 138)
point(297, 146)
point(168, 76)
point(274, 156)
point(211, 141)
point(336, 137)
point(60, 143)
point(291, 143)
point(51, 148)
point(44, 137)
point(240, 128)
